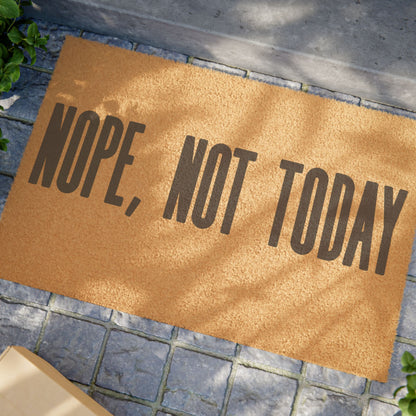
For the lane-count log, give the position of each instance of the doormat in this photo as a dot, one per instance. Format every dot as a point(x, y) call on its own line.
point(249, 212)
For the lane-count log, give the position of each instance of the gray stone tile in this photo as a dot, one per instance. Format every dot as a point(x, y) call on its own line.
point(412, 265)
point(319, 402)
point(388, 109)
point(147, 326)
point(83, 308)
point(407, 323)
point(18, 135)
point(396, 377)
point(334, 378)
point(268, 79)
point(196, 383)
point(377, 408)
point(150, 50)
point(72, 346)
point(108, 40)
point(207, 342)
point(19, 325)
point(118, 407)
point(322, 92)
point(132, 365)
point(21, 292)
point(5, 186)
point(26, 95)
point(256, 392)
point(57, 35)
point(218, 67)
point(270, 359)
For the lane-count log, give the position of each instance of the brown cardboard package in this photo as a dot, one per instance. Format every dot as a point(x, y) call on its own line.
point(31, 386)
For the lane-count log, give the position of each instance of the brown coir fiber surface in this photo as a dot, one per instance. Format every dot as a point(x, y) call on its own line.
point(281, 296)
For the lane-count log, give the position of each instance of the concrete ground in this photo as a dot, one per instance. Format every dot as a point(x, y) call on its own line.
point(134, 366)
point(359, 47)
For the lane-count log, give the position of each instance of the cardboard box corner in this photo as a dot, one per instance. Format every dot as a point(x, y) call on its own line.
point(31, 386)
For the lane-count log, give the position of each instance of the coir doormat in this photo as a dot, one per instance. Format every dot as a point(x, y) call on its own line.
point(246, 211)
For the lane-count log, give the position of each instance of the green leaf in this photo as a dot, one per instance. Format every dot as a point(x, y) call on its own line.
point(15, 35)
point(32, 53)
point(17, 57)
point(5, 84)
point(13, 72)
point(404, 405)
point(411, 382)
point(32, 30)
point(30, 41)
point(1, 63)
point(9, 9)
point(3, 51)
point(3, 144)
point(39, 42)
point(408, 362)
point(407, 358)
point(397, 390)
point(44, 40)
point(412, 408)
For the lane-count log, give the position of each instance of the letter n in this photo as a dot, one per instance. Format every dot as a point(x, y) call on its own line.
point(52, 145)
point(186, 176)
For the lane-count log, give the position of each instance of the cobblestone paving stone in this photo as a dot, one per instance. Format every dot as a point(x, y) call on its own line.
point(5, 186)
point(19, 325)
point(347, 382)
point(26, 293)
point(142, 324)
point(163, 53)
point(132, 365)
point(82, 308)
point(268, 79)
point(315, 401)
point(256, 392)
point(135, 366)
point(387, 109)
point(196, 383)
point(218, 67)
point(377, 408)
point(72, 346)
point(407, 324)
point(412, 264)
point(120, 407)
point(333, 95)
point(206, 342)
point(108, 40)
point(270, 359)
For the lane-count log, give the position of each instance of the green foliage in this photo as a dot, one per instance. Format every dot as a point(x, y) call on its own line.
point(408, 403)
point(17, 35)
point(3, 142)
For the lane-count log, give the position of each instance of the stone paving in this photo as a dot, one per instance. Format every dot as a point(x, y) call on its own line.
point(134, 366)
